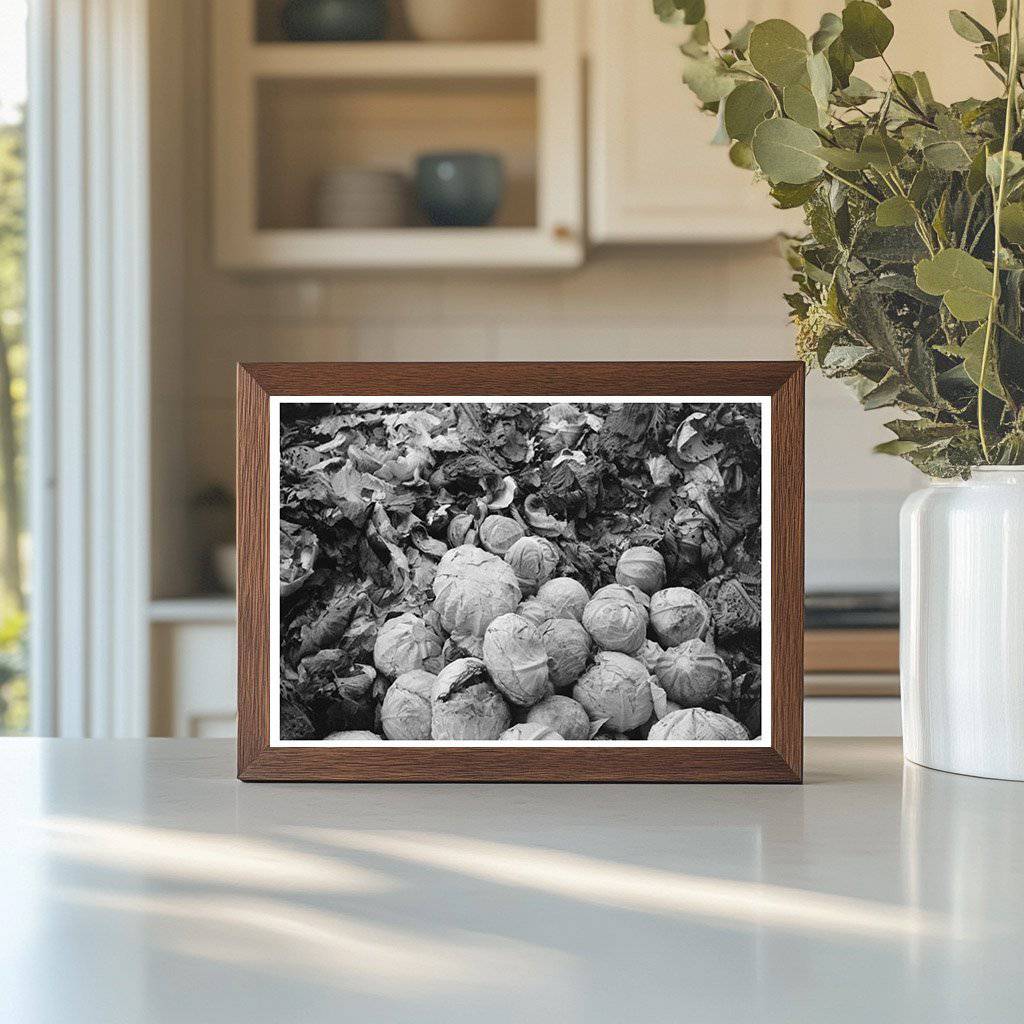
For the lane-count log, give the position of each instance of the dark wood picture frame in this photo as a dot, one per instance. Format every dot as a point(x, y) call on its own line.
point(781, 761)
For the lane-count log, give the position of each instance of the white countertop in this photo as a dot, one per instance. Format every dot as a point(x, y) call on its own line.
point(140, 882)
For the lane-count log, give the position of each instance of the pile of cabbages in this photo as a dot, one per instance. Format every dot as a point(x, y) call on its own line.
point(488, 613)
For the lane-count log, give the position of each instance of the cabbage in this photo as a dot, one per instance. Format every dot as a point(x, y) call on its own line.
point(536, 610)
point(616, 688)
point(735, 611)
point(567, 596)
point(529, 731)
point(499, 533)
point(567, 645)
point(533, 560)
point(466, 705)
point(405, 711)
point(641, 567)
point(471, 588)
point(516, 659)
point(692, 673)
point(460, 530)
point(649, 654)
point(619, 592)
point(352, 734)
point(298, 551)
point(697, 724)
point(563, 714)
point(616, 623)
point(679, 614)
point(460, 646)
point(404, 644)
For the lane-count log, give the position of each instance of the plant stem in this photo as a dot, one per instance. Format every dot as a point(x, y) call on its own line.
point(1011, 108)
point(853, 185)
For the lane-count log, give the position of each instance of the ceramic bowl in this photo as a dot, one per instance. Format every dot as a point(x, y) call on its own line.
point(332, 21)
point(470, 20)
point(460, 189)
point(359, 197)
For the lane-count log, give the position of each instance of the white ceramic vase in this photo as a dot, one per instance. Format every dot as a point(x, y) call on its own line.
point(962, 624)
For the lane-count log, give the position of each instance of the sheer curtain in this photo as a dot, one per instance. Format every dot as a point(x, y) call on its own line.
point(88, 336)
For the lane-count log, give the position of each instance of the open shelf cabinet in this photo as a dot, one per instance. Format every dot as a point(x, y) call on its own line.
point(287, 113)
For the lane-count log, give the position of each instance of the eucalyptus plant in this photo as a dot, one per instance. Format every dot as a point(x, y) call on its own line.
point(910, 278)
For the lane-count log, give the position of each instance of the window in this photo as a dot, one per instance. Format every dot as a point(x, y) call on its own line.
point(14, 695)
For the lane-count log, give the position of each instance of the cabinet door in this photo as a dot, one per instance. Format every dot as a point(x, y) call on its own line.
point(654, 177)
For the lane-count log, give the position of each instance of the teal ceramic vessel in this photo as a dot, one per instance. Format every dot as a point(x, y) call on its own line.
point(460, 189)
point(334, 21)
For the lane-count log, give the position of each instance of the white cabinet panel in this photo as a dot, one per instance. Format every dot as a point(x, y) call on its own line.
point(193, 671)
point(654, 177)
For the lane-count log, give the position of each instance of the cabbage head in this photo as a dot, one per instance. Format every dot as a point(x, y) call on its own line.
point(616, 688)
point(616, 623)
point(529, 731)
point(472, 588)
point(691, 673)
point(499, 533)
point(697, 724)
point(466, 705)
point(406, 643)
point(516, 659)
point(679, 614)
point(567, 645)
point(405, 711)
point(567, 596)
point(641, 567)
point(533, 560)
point(566, 716)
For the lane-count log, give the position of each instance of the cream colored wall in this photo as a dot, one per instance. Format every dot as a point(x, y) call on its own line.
point(653, 303)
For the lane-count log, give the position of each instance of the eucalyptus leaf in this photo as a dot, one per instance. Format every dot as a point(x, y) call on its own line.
point(882, 152)
point(829, 30)
point(741, 155)
point(707, 78)
point(858, 91)
point(739, 41)
point(924, 87)
point(745, 108)
point(895, 212)
point(963, 281)
point(787, 152)
point(882, 395)
point(993, 167)
point(976, 173)
point(841, 62)
point(947, 156)
point(969, 28)
point(689, 12)
point(866, 29)
point(801, 106)
point(844, 159)
point(895, 447)
point(1012, 223)
point(779, 51)
point(819, 76)
point(787, 196)
point(972, 351)
point(999, 9)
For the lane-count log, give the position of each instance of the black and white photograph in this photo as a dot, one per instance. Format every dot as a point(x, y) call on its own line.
point(520, 571)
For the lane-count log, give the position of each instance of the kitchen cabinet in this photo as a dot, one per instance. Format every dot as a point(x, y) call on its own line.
point(286, 114)
point(653, 175)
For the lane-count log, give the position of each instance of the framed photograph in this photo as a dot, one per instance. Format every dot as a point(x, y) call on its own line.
point(575, 572)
